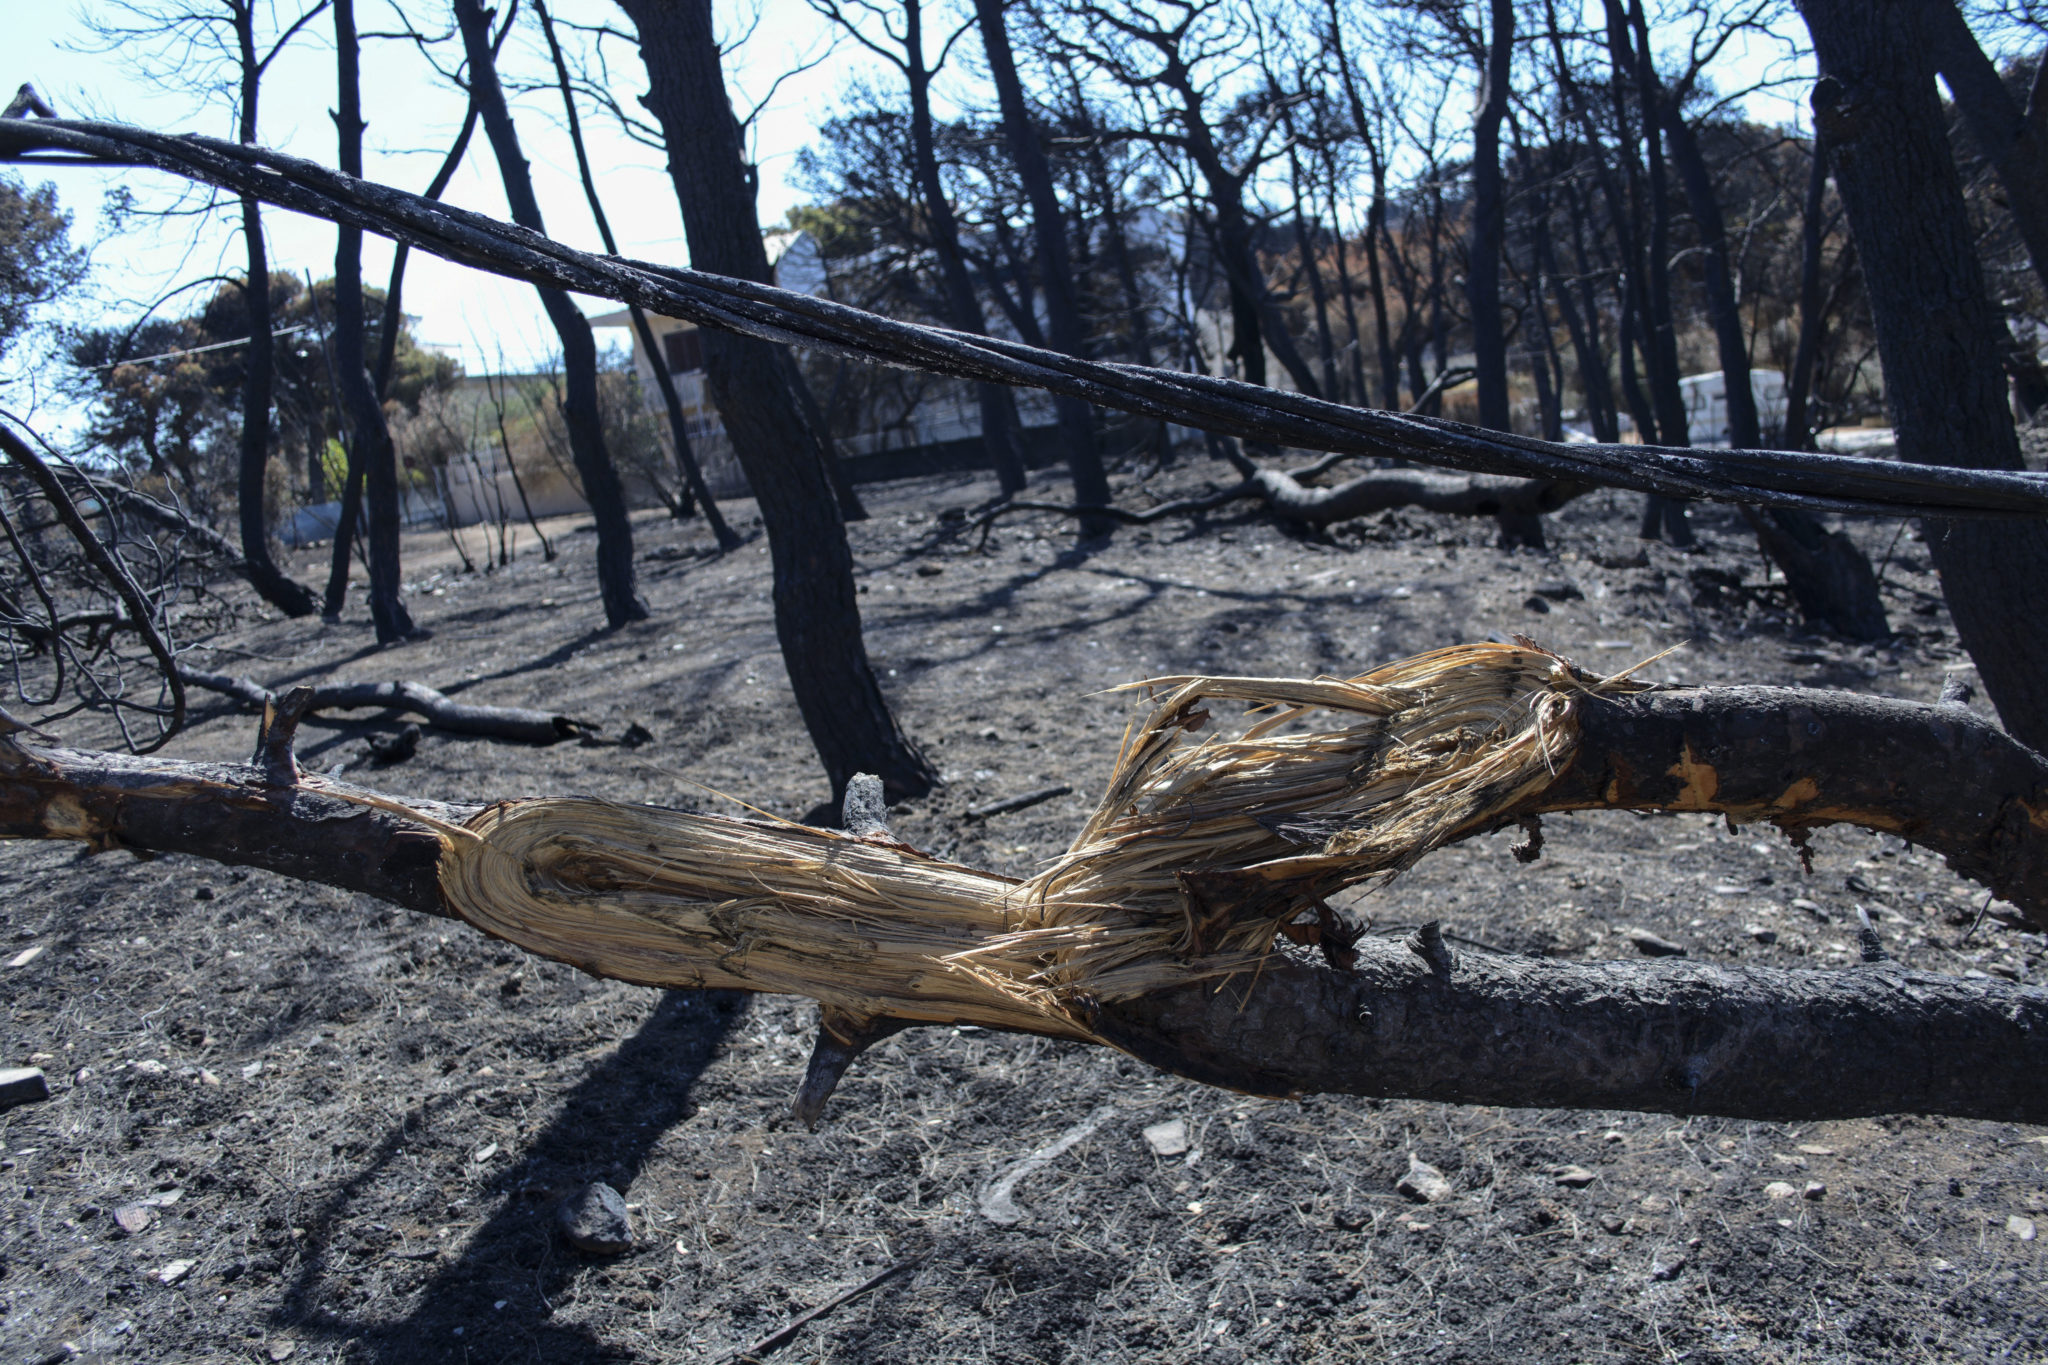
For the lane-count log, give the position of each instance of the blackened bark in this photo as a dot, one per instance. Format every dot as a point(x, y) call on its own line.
point(253, 464)
point(695, 489)
point(1486, 245)
point(1798, 433)
point(2012, 138)
point(817, 615)
point(1828, 574)
point(616, 574)
point(349, 518)
point(1000, 434)
point(1878, 111)
point(1055, 267)
point(1650, 265)
point(370, 439)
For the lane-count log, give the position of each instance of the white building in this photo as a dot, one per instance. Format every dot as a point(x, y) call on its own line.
point(1706, 406)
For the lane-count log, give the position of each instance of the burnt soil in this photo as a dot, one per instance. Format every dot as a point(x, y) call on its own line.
point(356, 1123)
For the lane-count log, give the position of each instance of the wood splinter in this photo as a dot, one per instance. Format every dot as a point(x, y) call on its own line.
point(274, 736)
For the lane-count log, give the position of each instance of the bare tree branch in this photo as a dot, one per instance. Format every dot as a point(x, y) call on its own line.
point(1825, 483)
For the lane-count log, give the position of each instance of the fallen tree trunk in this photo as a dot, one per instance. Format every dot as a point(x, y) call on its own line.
point(1179, 925)
point(1290, 499)
point(437, 709)
point(1820, 483)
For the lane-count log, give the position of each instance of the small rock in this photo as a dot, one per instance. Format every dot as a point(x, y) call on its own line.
point(149, 1067)
point(1815, 1190)
point(1667, 1270)
point(1778, 1189)
point(1613, 1224)
point(1816, 1149)
point(134, 1218)
point(173, 1271)
point(22, 1085)
point(26, 956)
point(930, 570)
point(1730, 889)
point(1575, 1177)
point(397, 748)
point(202, 893)
point(1535, 604)
point(1654, 1203)
point(1352, 1220)
point(1423, 1183)
point(1761, 933)
point(2022, 1228)
point(484, 1153)
point(1614, 1135)
point(281, 1350)
point(594, 1219)
point(1801, 903)
point(1169, 1138)
point(1653, 945)
point(252, 1071)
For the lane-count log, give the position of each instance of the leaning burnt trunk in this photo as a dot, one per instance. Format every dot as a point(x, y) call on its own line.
point(1827, 572)
point(1488, 242)
point(1063, 308)
point(695, 491)
point(372, 458)
point(1000, 434)
point(817, 615)
point(1878, 112)
point(253, 454)
point(616, 576)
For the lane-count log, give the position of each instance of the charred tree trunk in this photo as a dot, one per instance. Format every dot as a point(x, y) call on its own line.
point(349, 519)
point(373, 458)
point(288, 595)
point(695, 490)
point(1878, 112)
point(1055, 267)
point(1798, 434)
point(817, 615)
point(616, 574)
point(1001, 435)
point(1828, 574)
point(1650, 269)
point(1488, 243)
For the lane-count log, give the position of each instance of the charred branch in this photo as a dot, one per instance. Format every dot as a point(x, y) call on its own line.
point(1111, 946)
point(518, 723)
point(1820, 483)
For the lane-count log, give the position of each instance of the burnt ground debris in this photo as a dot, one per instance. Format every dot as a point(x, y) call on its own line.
point(356, 1124)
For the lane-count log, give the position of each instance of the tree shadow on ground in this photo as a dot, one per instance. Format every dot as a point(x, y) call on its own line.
point(496, 1301)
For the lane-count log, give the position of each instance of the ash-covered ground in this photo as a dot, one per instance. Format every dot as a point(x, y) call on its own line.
point(347, 1127)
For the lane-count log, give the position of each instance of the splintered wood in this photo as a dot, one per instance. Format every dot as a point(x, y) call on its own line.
point(1202, 848)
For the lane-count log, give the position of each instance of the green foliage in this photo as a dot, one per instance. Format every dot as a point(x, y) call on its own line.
point(839, 230)
point(177, 418)
point(37, 261)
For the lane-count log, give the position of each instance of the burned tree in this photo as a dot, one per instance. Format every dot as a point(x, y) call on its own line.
point(755, 385)
point(601, 486)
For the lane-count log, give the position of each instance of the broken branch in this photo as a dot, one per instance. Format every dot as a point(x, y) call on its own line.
point(1821, 483)
point(519, 723)
point(1160, 930)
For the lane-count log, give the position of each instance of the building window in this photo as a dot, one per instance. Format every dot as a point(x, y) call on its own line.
point(684, 350)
